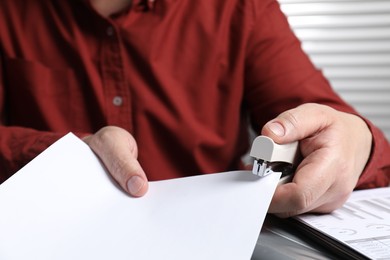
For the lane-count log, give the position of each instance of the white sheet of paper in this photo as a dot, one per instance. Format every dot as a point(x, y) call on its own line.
point(64, 205)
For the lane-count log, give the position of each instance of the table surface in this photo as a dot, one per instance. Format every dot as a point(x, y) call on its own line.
point(279, 241)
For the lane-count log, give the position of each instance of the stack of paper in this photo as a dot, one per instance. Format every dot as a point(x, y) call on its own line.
point(358, 230)
point(64, 205)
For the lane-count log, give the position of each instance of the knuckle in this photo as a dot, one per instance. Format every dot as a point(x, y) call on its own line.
point(342, 195)
point(100, 138)
point(333, 204)
point(95, 143)
point(104, 134)
point(116, 168)
point(290, 118)
point(302, 200)
point(124, 168)
point(117, 172)
point(341, 199)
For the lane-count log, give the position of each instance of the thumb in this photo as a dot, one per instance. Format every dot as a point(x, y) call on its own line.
point(298, 123)
point(118, 151)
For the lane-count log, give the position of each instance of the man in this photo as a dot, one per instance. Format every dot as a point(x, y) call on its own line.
point(166, 88)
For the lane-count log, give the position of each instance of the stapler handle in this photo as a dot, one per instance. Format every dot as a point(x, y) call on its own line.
point(270, 156)
point(264, 148)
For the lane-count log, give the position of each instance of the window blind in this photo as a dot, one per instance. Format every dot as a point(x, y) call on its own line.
point(350, 41)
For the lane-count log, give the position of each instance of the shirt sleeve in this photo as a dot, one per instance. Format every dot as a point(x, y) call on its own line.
point(19, 145)
point(280, 76)
point(377, 170)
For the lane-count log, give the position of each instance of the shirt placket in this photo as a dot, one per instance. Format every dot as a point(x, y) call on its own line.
point(116, 89)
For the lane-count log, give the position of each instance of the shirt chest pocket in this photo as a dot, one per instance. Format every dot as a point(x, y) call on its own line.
point(38, 96)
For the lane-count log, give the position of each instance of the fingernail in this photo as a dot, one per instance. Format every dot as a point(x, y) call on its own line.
point(277, 129)
point(135, 184)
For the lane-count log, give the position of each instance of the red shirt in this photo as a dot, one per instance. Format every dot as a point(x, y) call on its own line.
point(183, 77)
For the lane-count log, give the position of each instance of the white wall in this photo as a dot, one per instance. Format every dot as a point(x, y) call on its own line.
point(350, 41)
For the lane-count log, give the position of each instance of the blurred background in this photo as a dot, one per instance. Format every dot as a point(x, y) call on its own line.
point(350, 41)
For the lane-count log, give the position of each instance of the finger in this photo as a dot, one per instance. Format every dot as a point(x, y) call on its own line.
point(308, 189)
point(296, 124)
point(117, 150)
point(127, 172)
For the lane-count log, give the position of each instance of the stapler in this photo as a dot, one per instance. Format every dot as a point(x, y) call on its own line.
point(272, 157)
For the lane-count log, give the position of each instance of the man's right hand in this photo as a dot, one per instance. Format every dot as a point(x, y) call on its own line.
point(118, 151)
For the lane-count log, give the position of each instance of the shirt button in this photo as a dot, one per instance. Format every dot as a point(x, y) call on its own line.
point(117, 101)
point(110, 31)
